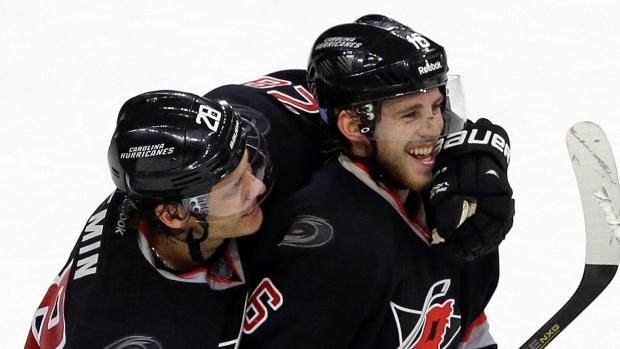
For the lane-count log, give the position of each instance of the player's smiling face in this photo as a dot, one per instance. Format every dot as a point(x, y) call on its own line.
point(406, 136)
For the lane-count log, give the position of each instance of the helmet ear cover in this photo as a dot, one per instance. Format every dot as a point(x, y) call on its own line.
point(369, 114)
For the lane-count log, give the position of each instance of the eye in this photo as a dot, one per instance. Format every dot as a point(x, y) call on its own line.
point(437, 106)
point(237, 185)
point(230, 194)
point(233, 192)
point(410, 115)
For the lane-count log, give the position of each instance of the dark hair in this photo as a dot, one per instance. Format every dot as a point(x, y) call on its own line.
point(144, 214)
point(332, 139)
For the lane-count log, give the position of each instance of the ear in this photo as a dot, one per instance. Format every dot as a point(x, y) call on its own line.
point(348, 126)
point(171, 215)
point(347, 123)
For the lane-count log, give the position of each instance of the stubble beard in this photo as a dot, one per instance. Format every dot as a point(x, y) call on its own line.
point(405, 175)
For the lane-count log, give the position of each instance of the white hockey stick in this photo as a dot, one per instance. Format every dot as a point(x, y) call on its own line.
point(597, 178)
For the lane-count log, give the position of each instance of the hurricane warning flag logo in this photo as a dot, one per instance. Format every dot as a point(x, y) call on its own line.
point(435, 326)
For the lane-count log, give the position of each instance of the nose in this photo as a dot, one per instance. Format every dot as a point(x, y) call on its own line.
point(432, 125)
point(257, 187)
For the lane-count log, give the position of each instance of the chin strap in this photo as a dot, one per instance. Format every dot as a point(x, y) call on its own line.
point(194, 244)
point(194, 247)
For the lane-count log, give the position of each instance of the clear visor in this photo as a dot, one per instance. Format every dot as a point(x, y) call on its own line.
point(243, 190)
point(416, 117)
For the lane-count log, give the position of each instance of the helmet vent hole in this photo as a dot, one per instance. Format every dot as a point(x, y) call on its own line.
point(185, 180)
point(339, 64)
point(344, 63)
point(186, 183)
point(371, 59)
point(326, 67)
point(393, 79)
point(115, 172)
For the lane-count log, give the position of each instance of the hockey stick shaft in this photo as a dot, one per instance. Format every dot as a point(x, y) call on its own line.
point(597, 179)
point(595, 279)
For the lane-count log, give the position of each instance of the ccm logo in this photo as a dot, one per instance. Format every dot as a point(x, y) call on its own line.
point(471, 137)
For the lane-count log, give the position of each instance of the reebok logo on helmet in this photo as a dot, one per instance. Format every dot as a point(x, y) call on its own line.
point(429, 67)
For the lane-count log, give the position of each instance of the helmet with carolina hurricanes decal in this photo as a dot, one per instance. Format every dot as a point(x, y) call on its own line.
point(171, 145)
point(357, 65)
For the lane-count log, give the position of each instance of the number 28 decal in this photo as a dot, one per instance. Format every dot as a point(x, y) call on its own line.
point(209, 116)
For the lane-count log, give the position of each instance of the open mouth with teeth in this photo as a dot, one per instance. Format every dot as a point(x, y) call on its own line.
point(423, 154)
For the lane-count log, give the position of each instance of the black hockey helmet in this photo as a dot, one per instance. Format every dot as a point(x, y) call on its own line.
point(171, 145)
point(370, 60)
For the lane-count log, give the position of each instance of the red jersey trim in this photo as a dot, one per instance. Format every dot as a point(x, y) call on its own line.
point(415, 220)
point(479, 321)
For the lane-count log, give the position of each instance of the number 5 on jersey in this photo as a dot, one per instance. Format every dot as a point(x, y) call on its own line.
point(265, 295)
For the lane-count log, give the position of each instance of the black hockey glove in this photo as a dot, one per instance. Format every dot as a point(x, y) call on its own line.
point(471, 207)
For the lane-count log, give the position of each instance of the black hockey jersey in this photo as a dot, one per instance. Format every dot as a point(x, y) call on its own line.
point(111, 295)
point(342, 264)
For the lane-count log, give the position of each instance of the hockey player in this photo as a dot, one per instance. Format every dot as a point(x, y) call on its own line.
point(364, 256)
point(157, 265)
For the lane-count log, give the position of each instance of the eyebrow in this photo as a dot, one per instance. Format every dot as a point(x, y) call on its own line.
point(418, 106)
point(231, 188)
point(236, 182)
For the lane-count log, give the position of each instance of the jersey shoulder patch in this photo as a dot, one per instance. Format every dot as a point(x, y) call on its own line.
point(308, 231)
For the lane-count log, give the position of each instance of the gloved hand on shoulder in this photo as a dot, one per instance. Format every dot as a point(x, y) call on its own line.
point(471, 208)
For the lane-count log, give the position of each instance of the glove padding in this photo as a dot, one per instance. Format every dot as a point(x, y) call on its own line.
point(471, 206)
